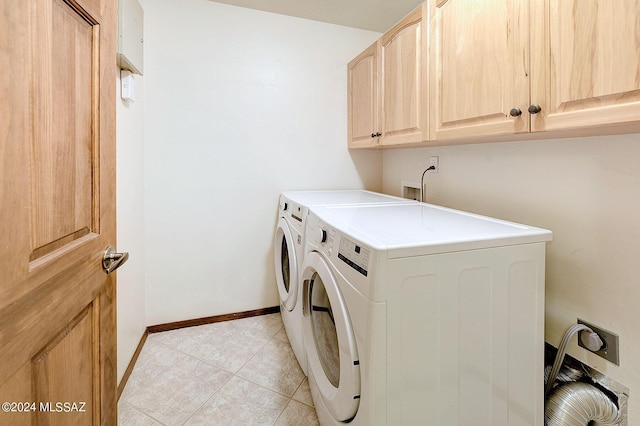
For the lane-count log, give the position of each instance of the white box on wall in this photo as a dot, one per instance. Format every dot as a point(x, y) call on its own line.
point(130, 36)
point(127, 92)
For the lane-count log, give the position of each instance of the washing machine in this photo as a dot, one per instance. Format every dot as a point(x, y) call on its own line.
point(423, 315)
point(289, 249)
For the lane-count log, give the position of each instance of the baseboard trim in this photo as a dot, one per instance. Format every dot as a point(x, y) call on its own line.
point(210, 320)
point(132, 363)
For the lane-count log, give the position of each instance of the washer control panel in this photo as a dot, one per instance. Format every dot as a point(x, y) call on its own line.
point(354, 255)
point(296, 212)
point(326, 239)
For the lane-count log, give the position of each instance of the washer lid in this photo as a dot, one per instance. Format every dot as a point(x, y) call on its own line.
point(417, 229)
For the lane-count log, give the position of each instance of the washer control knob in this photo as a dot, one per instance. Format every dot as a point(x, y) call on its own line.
point(323, 236)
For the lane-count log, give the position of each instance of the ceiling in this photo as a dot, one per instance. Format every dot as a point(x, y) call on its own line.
point(373, 15)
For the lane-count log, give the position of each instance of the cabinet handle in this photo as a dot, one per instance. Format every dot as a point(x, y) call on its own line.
point(534, 109)
point(375, 135)
point(515, 112)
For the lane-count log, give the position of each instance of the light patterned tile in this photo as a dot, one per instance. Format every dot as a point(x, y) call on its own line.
point(176, 373)
point(226, 344)
point(129, 416)
point(169, 385)
point(269, 324)
point(303, 394)
point(298, 414)
point(174, 338)
point(275, 367)
point(282, 336)
point(240, 402)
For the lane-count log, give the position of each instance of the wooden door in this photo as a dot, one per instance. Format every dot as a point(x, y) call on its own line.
point(57, 212)
point(404, 84)
point(362, 99)
point(479, 68)
point(585, 63)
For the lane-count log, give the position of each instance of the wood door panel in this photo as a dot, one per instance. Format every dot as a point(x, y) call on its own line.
point(586, 68)
point(479, 68)
point(63, 373)
point(363, 98)
point(17, 389)
point(404, 95)
point(88, 7)
point(57, 208)
point(401, 84)
point(362, 84)
point(31, 322)
point(108, 362)
point(14, 124)
point(475, 70)
point(595, 52)
point(62, 154)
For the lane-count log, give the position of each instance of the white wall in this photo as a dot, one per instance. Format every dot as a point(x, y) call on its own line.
point(587, 192)
point(240, 105)
point(130, 217)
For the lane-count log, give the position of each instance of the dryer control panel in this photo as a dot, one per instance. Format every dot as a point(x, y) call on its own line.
point(354, 255)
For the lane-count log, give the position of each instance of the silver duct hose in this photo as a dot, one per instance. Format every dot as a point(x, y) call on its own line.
point(576, 403)
point(579, 404)
point(557, 364)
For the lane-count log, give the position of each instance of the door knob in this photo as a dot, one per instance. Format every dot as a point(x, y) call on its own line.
point(112, 260)
point(515, 112)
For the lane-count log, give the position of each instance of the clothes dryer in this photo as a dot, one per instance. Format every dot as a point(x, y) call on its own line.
point(419, 314)
point(289, 249)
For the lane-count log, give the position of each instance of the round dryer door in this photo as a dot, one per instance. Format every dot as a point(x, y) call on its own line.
point(329, 340)
point(286, 265)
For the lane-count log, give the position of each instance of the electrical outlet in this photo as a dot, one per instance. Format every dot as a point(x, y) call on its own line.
point(433, 161)
point(610, 350)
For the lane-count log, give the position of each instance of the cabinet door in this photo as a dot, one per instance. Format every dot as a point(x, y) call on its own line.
point(404, 84)
point(479, 68)
point(362, 82)
point(585, 63)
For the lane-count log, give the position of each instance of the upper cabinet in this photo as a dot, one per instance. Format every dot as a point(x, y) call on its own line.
point(403, 81)
point(479, 68)
point(585, 63)
point(387, 87)
point(502, 67)
point(362, 100)
point(499, 70)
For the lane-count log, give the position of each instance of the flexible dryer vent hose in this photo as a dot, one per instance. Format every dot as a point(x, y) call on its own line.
point(579, 404)
point(576, 403)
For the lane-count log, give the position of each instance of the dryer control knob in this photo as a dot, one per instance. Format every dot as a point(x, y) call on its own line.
point(323, 236)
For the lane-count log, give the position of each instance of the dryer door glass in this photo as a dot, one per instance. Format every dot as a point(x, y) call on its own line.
point(284, 263)
point(332, 355)
point(324, 330)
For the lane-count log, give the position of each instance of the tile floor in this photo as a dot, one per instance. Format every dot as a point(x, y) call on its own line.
point(240, 372)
